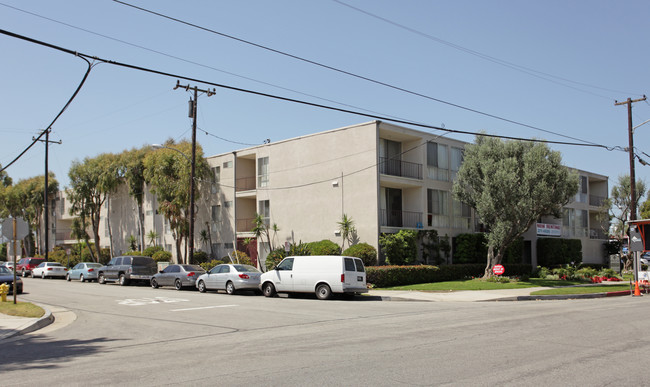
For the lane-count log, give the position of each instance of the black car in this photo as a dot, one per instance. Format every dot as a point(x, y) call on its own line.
point(126, 269)
point(7, 277)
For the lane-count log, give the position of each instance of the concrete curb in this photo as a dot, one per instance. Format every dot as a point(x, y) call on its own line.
point(47, 319)
point(565, 296)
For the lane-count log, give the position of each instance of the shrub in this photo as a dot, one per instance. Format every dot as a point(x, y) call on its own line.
point(162, 256)
point(558, 251)
point(470, 248)
point(274, 258)
point(209, 265)
point(151, 250)
point(366, 252)
point(238, 257)
point(324, 247)
point(199, 256)
point(399, 248)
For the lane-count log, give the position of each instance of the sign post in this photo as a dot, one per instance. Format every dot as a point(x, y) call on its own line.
point(15, 229)
point(638, 231)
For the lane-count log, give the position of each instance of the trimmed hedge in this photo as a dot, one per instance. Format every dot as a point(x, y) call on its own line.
point(324, 247)
point(558, 251)
point(385, 276)
point(366, 252)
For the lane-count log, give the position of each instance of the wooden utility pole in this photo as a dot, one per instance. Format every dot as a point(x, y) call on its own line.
point(46, 213)
point(630, 130)
point(192, 114)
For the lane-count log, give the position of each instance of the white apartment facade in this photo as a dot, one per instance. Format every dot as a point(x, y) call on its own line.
point(385, 177)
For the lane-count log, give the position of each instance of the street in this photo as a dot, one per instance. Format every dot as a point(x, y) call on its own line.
point(139, 335)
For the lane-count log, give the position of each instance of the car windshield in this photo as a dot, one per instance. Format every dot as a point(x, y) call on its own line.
point(94, 265)
point(54, 264)
point(142, 261)
point(4, 270)
point(241, 268)
point(192, 268)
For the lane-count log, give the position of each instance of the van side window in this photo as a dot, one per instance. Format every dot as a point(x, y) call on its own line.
point(360, 266)
point(287, 264)
point(349, 264)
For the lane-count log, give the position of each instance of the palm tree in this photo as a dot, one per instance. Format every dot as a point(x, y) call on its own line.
point(347, 230)
point(204, 237)
point(152, 236)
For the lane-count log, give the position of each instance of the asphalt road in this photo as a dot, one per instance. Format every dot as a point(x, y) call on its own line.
point(136, 335)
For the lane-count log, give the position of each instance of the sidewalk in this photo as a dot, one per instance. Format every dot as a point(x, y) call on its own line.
point(11, 325)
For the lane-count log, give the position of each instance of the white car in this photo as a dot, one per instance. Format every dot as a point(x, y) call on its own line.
point(50, 270)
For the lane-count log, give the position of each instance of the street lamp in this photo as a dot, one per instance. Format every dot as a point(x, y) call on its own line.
point(192, 162)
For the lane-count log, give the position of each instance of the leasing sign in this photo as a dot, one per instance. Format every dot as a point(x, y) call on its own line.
point(545, 229)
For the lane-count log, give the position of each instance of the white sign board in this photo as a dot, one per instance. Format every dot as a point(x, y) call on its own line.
point(545, 229)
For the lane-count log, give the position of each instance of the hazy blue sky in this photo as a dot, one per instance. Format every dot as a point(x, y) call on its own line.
point(554, 65)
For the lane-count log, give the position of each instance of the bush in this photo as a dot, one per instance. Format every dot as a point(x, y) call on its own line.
point(209, 265)
point(559, 251)
point(238, 257)
point(384, 276)
point(399, 248)
point(151, 250)
point(199, 256)
point(366, 252)
point(470, 248)
point(162, 256)
point(324, 247)
point(274, 258)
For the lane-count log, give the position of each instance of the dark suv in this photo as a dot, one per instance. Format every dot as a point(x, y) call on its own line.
point(126, 269)
point(25, 265)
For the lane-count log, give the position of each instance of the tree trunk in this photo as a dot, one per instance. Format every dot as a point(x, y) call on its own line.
point(492, 260)
point(110, 231)
point(141, 222)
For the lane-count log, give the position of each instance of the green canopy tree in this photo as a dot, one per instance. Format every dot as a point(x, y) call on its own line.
point(132, 169)
point(510, 184)
point(91, 182)
point(168, 173)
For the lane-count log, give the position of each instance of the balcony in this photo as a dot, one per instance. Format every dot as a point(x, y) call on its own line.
point(408, 219)
point(596, 200)
point(245, 184)
point(596, 233)
point(392, 167)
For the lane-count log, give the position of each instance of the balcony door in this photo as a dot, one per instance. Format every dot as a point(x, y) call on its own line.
point(391, 154)
point(394, 207)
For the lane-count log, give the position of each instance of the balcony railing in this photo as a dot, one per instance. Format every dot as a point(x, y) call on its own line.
point(596, 200)
point(401, 219)
point(394, 167)
point(245, 184)
point(596, 233)
point(245, 225)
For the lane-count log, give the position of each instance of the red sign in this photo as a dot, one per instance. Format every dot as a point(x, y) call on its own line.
point(498, 269)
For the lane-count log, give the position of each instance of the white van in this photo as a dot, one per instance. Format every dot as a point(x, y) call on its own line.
point(320, 274)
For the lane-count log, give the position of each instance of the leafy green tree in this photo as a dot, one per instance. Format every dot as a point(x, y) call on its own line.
point(400, 248)
point(645, 210)
point(132, 169)
point(510, 184)
point(91, 181)
point(168, 173)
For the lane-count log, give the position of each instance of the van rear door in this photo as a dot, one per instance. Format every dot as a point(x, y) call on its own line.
point(355, 275)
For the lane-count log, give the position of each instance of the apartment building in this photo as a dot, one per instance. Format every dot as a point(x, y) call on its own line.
point(385, 177)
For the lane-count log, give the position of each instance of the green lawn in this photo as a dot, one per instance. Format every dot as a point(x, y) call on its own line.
point(477, 284)
point(22, 309)
point(582, 290)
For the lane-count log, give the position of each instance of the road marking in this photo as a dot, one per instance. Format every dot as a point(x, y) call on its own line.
point(204, 307)
point(149, 301)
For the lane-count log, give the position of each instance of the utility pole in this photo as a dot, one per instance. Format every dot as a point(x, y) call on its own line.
point(630, 130)
point(46, 211)
point(192, 114)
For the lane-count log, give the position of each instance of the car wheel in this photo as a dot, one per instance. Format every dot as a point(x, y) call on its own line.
point(100, 279)
point(230, 288)
point(24, 273)
point(268, 290)
point(81, 278)
point(67, 277)
point(43, 275)
point(323, 292)
point(154, 283)
point(123, 280)
point(32, 274)
point(202, 288)
point(177, 284)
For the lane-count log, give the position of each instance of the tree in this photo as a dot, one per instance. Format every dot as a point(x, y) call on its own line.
point(152, 236)
point(91, 181)
point(510, 184)
point(347, 230)
point(168, 173)
point(132, 169)
point(645, 210)
point(618, 205)
point(261, 230)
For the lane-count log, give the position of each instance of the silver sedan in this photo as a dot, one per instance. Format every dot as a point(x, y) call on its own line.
point(178, 276)
point(231, 278)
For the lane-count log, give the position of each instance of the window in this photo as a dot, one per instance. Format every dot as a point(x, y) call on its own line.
point(262, 171)
point(360, 267)
point(227, 204)
point(581, 196)
point(228, 246)
point(216, 172)
point(166, 227)
point(437, 161)
point(216, 217)
point(168, 247)
point(265, 212)
point(462, 215)
point(456, 156)
point(438, 208)
point(349, 264)
point(227, 164)
point(62, 206)
point(106, 235)
point(286, 264)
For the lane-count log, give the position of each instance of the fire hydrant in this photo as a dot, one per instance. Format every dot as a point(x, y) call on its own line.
point(4, 290)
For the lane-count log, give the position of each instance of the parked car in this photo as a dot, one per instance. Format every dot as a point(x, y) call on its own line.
point(49, 270)
point(126, 269)
point(645, 258)
point(231, 278)
point(83, 271)
point(9, 265)
point(7, 277)
point(323, 275)
point(26, 265)
point(178, 276)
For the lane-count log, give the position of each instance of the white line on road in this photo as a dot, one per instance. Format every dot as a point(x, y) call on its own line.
point(203, 307)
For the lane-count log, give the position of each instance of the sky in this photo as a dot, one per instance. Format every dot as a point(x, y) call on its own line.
point(548, 70)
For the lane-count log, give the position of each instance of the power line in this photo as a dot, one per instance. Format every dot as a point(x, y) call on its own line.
point(286, 99)
point(347, 72)
point(513, 66)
